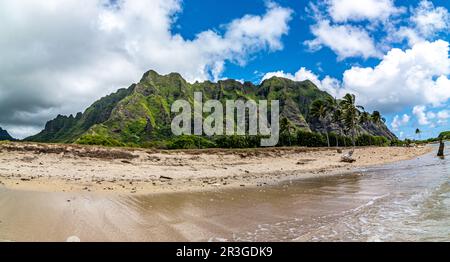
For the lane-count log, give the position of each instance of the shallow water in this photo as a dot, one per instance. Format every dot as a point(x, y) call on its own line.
point(406, 201)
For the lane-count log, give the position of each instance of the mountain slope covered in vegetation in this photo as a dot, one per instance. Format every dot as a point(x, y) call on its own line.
point(141, 115)
point(4, 135)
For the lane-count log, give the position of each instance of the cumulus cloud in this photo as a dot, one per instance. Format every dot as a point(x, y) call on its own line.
point(59, 56)
point(429, 19)
point(421, 115)
point(426, 21)
point(398, 121)
point(345, 40)
point(391, 24)
point(443, 116)
point(403, 78)
point(350, 10)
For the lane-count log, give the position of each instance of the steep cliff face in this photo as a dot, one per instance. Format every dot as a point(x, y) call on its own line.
point(4, 135)
point(65, 129)
point(142, 114)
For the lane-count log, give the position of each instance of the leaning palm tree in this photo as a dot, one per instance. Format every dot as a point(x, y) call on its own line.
point(364, 118)
point(320, 111)
point(351, 114)
point(377, 118)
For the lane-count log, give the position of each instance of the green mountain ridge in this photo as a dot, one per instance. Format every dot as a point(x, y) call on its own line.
point(141, 114)
point(4, 135)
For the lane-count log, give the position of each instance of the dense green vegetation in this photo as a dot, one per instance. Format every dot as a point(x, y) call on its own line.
point(444, 135)
point(352, 117)
point(140, 116)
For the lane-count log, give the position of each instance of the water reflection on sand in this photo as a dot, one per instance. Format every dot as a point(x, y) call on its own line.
point(403, 201)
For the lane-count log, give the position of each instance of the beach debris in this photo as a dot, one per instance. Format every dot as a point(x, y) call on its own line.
point(347, 158)
point(305, 161)
point(165, 177)
point(126, 162)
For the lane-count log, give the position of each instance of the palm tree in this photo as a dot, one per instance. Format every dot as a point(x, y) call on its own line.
point(334, 108)
point(364, 118)
point(319, 110)
point(418, 132)
point(351, 114)
point(377, 118)
point(286, 127)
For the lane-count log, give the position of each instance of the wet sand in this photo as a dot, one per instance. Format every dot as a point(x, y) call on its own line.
point(403, 201)
point(73, 168)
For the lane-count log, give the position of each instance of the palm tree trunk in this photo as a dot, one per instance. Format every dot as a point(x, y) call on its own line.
point(353, 138)
point(328, 138)
point(289, 136)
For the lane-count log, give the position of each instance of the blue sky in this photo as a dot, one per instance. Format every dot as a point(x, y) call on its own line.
point(198, 16)
point(62, 55)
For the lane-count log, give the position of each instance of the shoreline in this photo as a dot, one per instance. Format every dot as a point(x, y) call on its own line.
point(99, 170)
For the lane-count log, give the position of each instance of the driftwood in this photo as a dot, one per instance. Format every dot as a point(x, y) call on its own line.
point(441, 148)
point(347, 158)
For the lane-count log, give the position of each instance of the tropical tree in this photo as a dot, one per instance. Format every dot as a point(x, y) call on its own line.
point(334, 108)
point(286, 128)
point(418, 132)
point(364, 118)
point(351, 114)
point(377, 118)
point(319, 110)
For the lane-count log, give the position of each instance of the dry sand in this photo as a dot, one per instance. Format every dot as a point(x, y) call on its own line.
point(73, 168)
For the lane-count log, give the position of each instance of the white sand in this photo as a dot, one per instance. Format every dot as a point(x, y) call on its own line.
point(69, 168)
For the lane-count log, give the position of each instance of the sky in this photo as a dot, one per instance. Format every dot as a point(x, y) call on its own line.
point(59, 56)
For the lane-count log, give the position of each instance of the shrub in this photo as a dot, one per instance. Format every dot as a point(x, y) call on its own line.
point(238, 141)
point(368, 140)
point(99, 140)
point(190, 142)
point(310, 139)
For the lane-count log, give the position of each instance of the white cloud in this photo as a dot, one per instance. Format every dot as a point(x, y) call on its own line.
point(403, 78)
point(421, 115)
point(400, 121)
point(443, 116)
point(350, 10)
point(429, 19)
point(59, 56)
point(345, 40)
point(425, 22)
point(430, 118)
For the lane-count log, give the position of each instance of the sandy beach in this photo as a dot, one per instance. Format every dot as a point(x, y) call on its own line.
point(73, 168)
